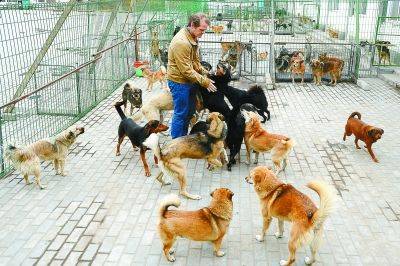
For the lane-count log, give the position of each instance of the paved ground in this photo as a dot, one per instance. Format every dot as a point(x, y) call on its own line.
point(105, 210)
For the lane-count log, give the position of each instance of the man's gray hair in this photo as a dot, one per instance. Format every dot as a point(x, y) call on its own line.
point(196, 18)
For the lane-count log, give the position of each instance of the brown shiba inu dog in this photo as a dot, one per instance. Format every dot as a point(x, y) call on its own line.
point(286, 203)
point(27, 159)
point(207, 146)
point(258, 139)
point(207, 224)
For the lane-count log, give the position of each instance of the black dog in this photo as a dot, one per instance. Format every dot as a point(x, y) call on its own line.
point(236, 126)
point(164, 56)
point(254, 95)
point(136, 134)
point(214, 101)
point(176, 30)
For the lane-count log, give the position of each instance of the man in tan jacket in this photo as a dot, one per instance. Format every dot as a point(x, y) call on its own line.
point(184, 72)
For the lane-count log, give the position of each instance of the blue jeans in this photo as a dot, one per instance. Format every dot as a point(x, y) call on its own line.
point(183, 96)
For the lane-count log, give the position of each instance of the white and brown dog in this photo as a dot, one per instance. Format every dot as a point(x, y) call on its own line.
point(27, 159)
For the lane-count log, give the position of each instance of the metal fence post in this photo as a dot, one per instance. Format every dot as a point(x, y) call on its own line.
point(272, 46)
point(357, 39)
point(78, 92)
point(1, 143)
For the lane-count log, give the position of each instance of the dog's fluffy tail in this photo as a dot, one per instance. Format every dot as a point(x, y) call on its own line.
point(119, 109)
point(169, 200)
point(327, 198)
point(153, 142)
point(353, 114)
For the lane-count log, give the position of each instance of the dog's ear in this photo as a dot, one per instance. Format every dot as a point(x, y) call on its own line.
point(221, 117)
point(230, 194)
point(127, 86)
point(70, 135)
point(215, 129)
point(382, 131)
point(372, 132)
point(150, 126)
point(212, 193)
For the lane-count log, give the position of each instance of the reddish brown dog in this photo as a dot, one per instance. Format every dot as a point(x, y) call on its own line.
point(362, 131)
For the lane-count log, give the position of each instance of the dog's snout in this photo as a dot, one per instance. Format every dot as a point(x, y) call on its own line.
point(248, 179)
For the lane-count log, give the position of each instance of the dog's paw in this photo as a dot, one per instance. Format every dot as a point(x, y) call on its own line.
point(375, 160)
point(147, 173)
point(219, 253)
point(247, 162)
point(259, 238)
point(171, 251)
point(255, 161)
point(308, 261)
point(42, 187)
point(283, 263)
point(117, 154)
point(63, 174)
point(278, 235)
point(171, 258)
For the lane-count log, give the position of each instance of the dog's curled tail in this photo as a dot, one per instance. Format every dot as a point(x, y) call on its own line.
point(169, 200)
point(353, 114)
point(153, 142)
point(327, 197)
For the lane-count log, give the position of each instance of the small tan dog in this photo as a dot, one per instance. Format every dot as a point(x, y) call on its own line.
point(297, 66)
point(286, 203)
point(217, 29)
point(153, 77)
point(258, 139)
point(27, 159)
point(207, 224)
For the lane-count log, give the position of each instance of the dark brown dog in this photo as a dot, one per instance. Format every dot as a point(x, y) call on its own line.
point(133, 95)
point(362, 131)
point(207, 224)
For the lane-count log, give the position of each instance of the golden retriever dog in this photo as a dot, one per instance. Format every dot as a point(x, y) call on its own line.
point(27, 159)
point(207, 224)
point(152, 109)
point(286, 203)
point(201, 145)
point(258, 139)
point(153, 77)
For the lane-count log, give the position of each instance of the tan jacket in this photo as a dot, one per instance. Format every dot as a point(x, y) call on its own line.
point(183, 60)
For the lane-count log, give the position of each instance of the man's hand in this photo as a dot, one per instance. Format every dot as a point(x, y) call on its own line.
point(211, 87)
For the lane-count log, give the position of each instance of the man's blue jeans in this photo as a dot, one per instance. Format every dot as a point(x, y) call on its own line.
point(184, 96)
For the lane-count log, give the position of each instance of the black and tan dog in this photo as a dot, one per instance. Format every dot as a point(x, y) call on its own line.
point(198, 146)
point(136, 134)
point(207, 224)
point(383, 52)
point(27, 159)
point(133, 95)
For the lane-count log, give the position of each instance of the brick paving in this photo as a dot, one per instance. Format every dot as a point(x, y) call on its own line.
point(105, 210)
